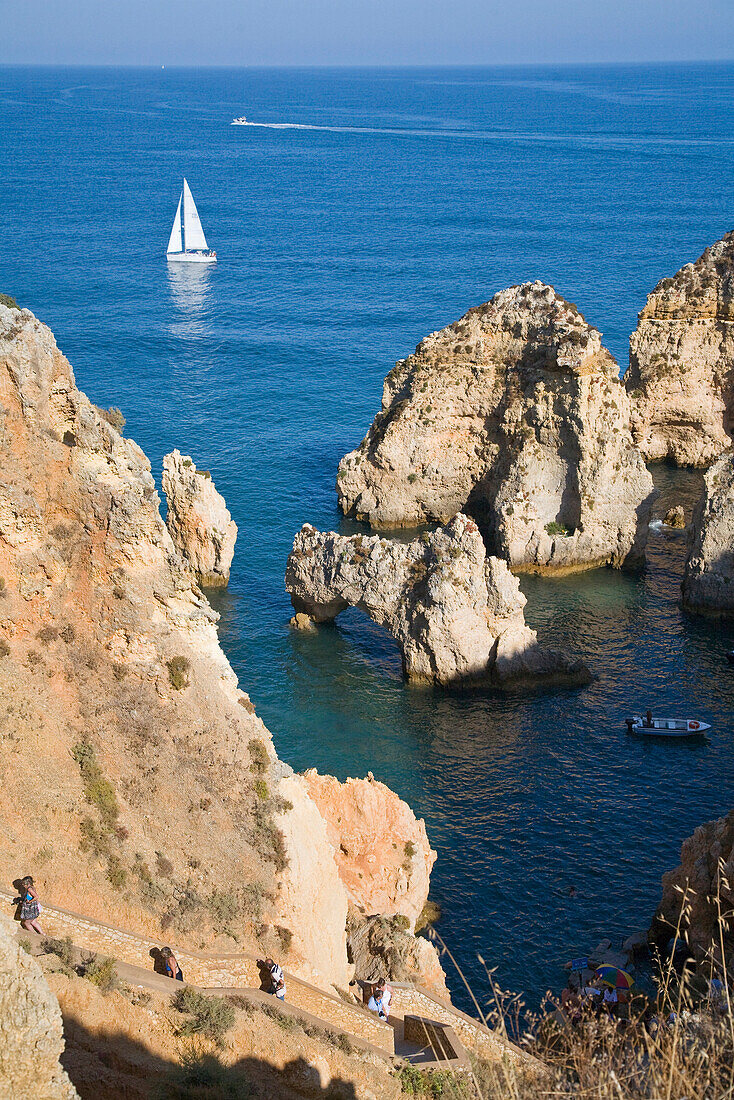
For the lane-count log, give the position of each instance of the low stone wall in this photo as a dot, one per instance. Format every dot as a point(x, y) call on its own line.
point(441, 1038)
point(224, 972)
point(474, 1036)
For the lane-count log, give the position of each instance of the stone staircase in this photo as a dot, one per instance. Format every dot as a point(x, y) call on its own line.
point(239, 973)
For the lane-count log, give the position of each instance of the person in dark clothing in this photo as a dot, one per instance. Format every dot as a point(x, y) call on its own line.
point(173, 970)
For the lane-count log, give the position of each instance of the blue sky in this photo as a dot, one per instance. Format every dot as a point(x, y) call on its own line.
point(364, 32)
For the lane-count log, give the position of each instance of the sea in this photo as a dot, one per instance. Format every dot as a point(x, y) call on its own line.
point(361, 210)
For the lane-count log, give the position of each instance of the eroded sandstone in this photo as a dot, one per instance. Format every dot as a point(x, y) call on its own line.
point(456, 613)
point(681, 373)
point(31, 1030)
point(150, 788)
point(697, 891)
point(198, 520)
point(708, 583)
point(382, 849)
point(514, 414)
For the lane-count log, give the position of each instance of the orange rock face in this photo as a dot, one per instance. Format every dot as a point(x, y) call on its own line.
point(140, 788)
point(382, 849)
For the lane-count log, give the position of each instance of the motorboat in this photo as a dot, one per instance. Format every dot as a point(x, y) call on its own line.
point(241, 121)
point(666, 727)
point(187, 242)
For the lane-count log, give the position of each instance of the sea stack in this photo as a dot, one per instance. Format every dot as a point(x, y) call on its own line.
point(515, 415)
point(681, 369)
point(708, 584)
point(694, 891)
point(456, 613)
point(115, 682)
point(198, 520)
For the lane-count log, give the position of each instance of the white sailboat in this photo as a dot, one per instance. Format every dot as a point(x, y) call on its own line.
point(187, 241)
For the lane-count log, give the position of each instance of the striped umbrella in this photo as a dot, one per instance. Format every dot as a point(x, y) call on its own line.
point(614, 977)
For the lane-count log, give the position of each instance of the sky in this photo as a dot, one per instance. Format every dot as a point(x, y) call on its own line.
point(363, 32)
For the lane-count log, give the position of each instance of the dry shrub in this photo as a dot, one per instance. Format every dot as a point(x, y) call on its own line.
point(681, 1045)
point(113, 416)
point(211, 1017)
point(178, 672)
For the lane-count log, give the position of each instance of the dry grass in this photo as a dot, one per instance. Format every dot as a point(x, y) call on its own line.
point(679, 1046)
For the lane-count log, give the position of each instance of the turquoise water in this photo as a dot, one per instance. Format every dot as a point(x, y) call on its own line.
point(410, 196)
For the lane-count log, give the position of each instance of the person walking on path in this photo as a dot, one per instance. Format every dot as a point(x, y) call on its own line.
point(173, 970)
point(385, 998)
point(277, 981)
point(375, 1002)
point(30, 908)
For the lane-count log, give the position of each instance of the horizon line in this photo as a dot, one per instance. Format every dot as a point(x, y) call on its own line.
point(154, 66)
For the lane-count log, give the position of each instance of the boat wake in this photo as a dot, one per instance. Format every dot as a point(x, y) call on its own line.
point(614, 141)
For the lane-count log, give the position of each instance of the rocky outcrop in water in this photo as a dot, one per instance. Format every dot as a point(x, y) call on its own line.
point(675, 517)
point(681, 373)
point(198, 520)
point(708, 583)
point(31, 1031)
point(697, 890)
point(515, 415)
point(150, 788)
point(456, 613)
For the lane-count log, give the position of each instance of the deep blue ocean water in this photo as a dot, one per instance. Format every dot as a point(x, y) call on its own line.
point(391, 203)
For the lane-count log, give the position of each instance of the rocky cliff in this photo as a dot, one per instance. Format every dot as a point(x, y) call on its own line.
point(456, 613)
point(515, 415)
point(698, 890)
point(197, 518)
point(138, 780)
point(31, 1032)
point(382, 851)
point(708, 583)
point(681, 373)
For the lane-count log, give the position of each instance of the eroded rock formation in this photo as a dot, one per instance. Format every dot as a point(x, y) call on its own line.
point(699, 889)
point(708, 583)
point(31, 1031)
point(515, 415)
point(381, 948)
point(382, 850)
point(198, 520)
point(456, 613)
point(150, 788)
point(681, 373)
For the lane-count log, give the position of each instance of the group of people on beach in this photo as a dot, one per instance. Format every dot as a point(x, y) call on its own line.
point(596, 997)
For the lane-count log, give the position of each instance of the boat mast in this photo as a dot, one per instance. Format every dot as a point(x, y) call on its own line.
point(183, 214)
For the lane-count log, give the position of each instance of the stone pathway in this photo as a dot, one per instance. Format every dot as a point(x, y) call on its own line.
point(240, 972)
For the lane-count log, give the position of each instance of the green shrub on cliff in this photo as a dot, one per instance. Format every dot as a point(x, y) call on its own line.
point(211, 1017)
point(6, 300)
point(98, 790)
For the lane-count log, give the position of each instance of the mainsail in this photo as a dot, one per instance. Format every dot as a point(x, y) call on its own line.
point(174, 244)
point(194, 238)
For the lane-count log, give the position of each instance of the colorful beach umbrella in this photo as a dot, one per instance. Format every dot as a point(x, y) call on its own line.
point(614, 977)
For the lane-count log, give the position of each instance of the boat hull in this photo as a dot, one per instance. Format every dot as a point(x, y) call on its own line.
point(190, 258)
point(667, 727)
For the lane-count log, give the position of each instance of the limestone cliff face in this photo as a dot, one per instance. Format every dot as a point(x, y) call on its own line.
point(138, 780)
point(382, 850)
point(690, 893)
point(708, 584)
point(198, 520)
point(31, 1031)
point(515, 415)
point(456, 613)
point(681, 373)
